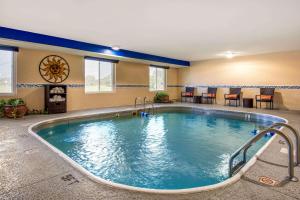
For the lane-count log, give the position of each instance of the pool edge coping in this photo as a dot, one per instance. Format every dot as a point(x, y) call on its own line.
point(100, 180)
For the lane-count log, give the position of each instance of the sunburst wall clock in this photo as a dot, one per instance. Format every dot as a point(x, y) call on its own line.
point(54, 69)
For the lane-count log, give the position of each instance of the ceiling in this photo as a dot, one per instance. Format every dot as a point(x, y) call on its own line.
point(182, 29)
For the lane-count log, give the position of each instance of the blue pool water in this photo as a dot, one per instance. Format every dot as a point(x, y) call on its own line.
point(171, 150)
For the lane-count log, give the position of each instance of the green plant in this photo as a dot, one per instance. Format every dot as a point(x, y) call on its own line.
point(161, 97)
point(15, 102)
point(2, 104)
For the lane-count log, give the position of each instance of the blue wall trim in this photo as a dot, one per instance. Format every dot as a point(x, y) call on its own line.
point(26, 36)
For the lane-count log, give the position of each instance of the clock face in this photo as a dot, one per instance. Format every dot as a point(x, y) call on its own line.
point(54, 69)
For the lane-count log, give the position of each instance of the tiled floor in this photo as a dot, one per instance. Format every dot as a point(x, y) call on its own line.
point(30, 170)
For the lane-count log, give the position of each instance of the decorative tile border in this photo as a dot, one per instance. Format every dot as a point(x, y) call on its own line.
point(40, 85)
point(246, 86)
point(131, 86)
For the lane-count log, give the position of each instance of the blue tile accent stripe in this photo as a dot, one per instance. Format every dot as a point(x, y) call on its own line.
point(40, 85)
point(245, 86)
point(129, 86)
point(26, 36)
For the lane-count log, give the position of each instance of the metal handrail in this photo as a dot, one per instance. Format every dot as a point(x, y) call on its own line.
point(135, 101)
point(296, 134)
point(145, 98)
point(247, 145)
point(149, 102)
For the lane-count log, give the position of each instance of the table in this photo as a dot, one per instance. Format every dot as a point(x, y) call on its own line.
point(248, 102)
point(197, 99)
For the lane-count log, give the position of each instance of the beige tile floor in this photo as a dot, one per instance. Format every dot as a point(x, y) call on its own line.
point(30, 170)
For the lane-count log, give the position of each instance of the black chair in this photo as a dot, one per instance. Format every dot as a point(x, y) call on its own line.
point(234, 95)
point(266, 95)
point(189, 93)
point(210, 96)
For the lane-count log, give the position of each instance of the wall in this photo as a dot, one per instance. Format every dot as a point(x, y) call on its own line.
point(279, 69)
point(127, 73)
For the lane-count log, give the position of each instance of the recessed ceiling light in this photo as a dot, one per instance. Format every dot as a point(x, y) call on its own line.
point(116, 48)
point(229, 54)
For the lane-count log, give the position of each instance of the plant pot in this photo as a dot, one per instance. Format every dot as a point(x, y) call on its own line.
point(15, 111)
point(164, 99)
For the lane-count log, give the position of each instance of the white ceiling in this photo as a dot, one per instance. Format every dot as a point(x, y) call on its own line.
point(183, 29)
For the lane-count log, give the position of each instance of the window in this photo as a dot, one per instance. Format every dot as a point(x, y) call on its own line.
point(99, 76)
point(157, 78)
point(7, 79)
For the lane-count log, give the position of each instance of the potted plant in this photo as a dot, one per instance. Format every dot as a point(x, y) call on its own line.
point(161, 97)
point(2, 104)
point(15, 108)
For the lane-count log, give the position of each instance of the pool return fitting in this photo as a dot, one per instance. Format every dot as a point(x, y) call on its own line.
point(233, 169)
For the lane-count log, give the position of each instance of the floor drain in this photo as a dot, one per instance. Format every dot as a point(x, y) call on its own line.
point(268, 181)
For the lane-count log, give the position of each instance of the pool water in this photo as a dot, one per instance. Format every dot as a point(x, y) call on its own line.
point(171, 150)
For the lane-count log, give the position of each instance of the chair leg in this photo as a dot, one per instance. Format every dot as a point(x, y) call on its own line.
point(260, 104)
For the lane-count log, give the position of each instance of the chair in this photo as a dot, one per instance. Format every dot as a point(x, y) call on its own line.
point(266, 95)
point(234, 95)
point(189, 93)
point(211, 95)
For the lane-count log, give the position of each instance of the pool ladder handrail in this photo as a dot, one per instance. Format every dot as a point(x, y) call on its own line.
point(145, 103)
point(149, 103)
point(296, 134)
point(247, 145)
point(136, 101)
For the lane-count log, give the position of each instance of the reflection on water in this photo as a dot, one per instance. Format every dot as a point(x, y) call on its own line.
point(172, 150)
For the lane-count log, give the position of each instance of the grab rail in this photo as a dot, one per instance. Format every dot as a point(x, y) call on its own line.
point(145, 104)
point(135, 101)
point(148, 102)
point(247, 145)
point(296, 134)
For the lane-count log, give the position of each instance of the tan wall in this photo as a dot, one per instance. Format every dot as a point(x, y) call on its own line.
point(259, 70)
point(267, 69)
point(126, 73)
